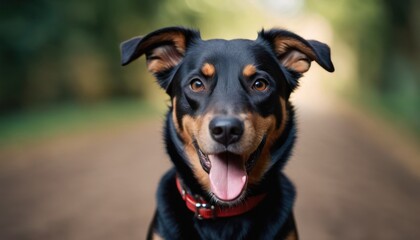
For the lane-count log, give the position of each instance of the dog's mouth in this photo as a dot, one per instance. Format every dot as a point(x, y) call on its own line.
point(228, 172)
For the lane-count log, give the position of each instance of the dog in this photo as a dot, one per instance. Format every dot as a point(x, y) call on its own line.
point(229, 130)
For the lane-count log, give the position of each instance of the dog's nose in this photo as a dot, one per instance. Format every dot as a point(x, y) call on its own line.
point(226, 130)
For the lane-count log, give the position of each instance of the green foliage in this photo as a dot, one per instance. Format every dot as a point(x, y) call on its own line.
point(54, 52)
point(72, 118)
point(384, 34)
point(60, 51)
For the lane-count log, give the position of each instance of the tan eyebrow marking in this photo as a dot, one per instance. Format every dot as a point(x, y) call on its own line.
point(208, 70)
point(249, 70)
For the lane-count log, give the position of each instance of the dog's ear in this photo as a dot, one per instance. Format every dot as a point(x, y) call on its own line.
point(164, 49)
point(296, 53)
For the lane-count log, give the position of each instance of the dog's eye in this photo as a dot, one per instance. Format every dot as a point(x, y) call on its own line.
point(260, 85)
point(197, 85)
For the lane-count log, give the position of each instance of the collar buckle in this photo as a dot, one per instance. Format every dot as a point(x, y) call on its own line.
point(199, 206)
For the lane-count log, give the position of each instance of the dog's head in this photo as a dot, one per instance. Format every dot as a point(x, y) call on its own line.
point(229, 98)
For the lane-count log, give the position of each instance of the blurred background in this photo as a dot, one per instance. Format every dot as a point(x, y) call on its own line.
point(80, 136)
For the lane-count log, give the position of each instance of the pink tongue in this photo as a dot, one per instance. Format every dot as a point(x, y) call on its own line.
point(227, 176)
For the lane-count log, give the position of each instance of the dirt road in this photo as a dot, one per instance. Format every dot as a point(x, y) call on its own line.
point(352, 182)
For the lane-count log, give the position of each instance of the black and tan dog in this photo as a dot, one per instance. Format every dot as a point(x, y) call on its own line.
point(229, 130)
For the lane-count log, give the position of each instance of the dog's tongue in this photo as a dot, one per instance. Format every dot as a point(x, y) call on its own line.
point(227, 176)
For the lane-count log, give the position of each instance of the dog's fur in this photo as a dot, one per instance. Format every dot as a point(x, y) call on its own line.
point(243, 85)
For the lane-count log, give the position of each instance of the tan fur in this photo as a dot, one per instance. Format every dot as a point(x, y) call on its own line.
point(263, 126)
point(174, 118)
point(292, 235)
point(165, 56)
point(296, 61)
point(256, 127)
point(208, 70)
point(177, 38)
point(284, 44)
point(249, 70)
point(294, 54)
point(191, 127)
point(267, 126)
point(156, 236)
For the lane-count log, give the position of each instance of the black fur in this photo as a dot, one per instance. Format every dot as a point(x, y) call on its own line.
point(227, 91)
point(271, 219)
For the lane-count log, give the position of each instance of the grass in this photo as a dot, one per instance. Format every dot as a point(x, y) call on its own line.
point(33, 125)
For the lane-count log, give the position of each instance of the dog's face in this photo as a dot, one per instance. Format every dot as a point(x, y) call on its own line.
point(229, 98)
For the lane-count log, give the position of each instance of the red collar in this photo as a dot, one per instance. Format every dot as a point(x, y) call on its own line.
point(204, 210)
